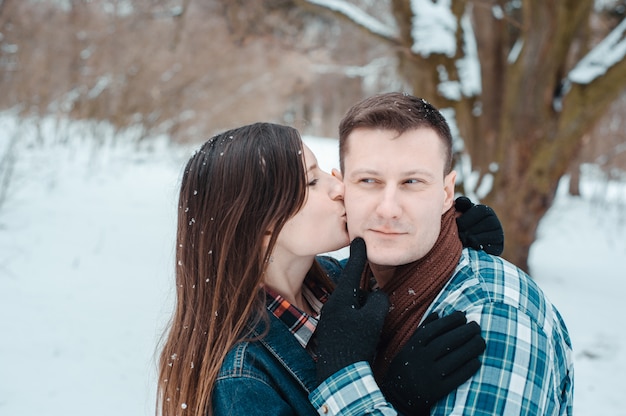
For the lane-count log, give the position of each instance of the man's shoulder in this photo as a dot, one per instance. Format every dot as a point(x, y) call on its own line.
point(481, 261)
point(493, 271)
point(526, 339)
point(484, 278)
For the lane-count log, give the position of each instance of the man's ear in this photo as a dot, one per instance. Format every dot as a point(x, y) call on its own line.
point(337, 174)
point(448, 188)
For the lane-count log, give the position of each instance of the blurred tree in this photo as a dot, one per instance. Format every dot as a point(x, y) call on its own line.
point(520, 81)
point(176, 67)
point(508, 74)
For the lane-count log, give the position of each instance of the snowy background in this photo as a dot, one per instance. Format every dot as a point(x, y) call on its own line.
point(86, 258)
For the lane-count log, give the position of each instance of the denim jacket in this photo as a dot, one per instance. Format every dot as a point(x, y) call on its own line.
point(269, 376)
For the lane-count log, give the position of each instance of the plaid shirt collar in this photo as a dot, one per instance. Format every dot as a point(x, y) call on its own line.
point(300, 324)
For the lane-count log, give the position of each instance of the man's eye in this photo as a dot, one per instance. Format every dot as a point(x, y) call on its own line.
point(367, 180)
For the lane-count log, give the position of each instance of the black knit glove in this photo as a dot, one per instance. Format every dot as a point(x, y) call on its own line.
point(351, 320)
point(440, 356)
point(479, 227)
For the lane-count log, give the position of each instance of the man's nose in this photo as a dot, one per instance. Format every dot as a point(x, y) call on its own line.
point(388, 205)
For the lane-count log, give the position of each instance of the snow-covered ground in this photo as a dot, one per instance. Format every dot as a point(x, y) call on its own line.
point(86, 261)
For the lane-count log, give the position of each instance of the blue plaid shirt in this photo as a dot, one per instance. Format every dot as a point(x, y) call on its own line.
point(527, 368)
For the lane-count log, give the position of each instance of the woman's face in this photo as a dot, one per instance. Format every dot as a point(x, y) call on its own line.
point(320, 225)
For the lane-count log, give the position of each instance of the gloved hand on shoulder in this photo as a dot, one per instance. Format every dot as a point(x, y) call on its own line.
point(479, 226)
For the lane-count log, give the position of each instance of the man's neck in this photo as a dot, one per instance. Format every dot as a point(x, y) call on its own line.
point(382, 274)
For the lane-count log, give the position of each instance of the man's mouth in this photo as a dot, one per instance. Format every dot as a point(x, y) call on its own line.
point(387, 232)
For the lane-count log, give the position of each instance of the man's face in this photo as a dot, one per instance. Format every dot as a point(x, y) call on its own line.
point(395, 192)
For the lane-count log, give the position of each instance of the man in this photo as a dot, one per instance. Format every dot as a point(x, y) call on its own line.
point(395, 158)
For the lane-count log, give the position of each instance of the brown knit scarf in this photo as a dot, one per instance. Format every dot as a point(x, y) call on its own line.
point(413, 288)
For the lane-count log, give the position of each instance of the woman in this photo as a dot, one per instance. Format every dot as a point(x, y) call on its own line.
point(254, 210)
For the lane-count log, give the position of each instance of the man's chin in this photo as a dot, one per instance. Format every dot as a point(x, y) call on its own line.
point(387, 259)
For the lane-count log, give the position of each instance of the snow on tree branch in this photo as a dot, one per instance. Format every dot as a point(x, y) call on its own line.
point(469, 65)
point(358, 16)
point(433, 28)
point(439, 19)
point(607, 53)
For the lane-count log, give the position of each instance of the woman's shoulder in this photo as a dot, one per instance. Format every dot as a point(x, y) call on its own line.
point(242, 360)
point(253, 381)
point(269, 348)
point(246, 355)
point(269, 360)
point(331, 266)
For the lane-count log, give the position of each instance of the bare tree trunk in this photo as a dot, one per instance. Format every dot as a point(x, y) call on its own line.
point(574, 180)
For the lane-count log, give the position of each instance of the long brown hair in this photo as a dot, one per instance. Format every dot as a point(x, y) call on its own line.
point(239, 185)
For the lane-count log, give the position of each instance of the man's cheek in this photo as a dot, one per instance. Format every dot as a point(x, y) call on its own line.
point(354, 224)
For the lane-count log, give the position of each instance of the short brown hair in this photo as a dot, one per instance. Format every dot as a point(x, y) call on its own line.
point(395, 111)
